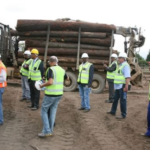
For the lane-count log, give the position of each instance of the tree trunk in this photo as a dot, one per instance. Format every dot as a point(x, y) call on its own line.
point(62, 34)
point(36, 43)
point(40, 25)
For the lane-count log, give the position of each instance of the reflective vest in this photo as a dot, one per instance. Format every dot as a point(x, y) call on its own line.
point(23, 71)
point(58, 79)
point(111, 75)
point(2, 66)
point(34, 73)
point(83, 76)
point(119, 77)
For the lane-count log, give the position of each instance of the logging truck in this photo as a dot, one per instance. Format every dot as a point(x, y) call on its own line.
point(66, 40)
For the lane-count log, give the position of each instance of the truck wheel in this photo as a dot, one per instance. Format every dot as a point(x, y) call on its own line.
point(70, 85)
point(98, 84)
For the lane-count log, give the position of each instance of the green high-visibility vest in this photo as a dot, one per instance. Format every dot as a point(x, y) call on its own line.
point(23, 71)
point(34, 73)
point(111, 75)
point(58, 79)
point(83, 76)
point(119, 77)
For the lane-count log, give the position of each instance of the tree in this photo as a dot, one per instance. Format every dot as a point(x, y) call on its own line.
point(141, 60)
point(148, 56)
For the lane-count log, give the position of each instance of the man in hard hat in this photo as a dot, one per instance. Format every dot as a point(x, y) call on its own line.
point(85, 77)
point(36, 73)
point(24, 71)
point(121, 85)
point(111, 71)
point(3, 84)
point(55, 76)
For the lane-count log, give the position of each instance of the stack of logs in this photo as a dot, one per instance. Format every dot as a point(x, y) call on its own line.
point(63, 41)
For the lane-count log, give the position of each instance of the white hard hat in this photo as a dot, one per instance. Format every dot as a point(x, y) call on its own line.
point(27, 52)
point(84, 55)
point(37, 85)
point(123, 54)
point(114, 56)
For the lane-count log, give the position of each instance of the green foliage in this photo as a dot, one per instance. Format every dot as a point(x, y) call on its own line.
point(148, 57)
point(141, 60)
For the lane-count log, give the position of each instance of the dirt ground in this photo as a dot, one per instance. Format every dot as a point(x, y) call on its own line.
point(75, 130)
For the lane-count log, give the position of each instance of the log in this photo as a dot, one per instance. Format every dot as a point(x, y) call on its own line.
point(36, 43)
point(72, 60)
point(91, 41)
point(69, 52)
point(40, 25)
point(59, 34)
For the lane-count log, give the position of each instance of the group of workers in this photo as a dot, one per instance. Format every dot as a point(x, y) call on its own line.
point(32, 70)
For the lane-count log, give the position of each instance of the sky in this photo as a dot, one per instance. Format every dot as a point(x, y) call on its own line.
point(126, 13)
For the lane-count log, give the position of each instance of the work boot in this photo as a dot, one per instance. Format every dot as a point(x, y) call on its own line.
point(30, 106)
point(109, 101)
point(34, 108)
point(81, 108)
point(28, 101)
point(42, 135)
point(23, 99)
point(86, 110)
point(120, 117)
point(109, 112)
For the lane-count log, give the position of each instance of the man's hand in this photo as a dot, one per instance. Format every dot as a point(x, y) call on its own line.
point(125, 88)
point(41, 85)
point(105, 65)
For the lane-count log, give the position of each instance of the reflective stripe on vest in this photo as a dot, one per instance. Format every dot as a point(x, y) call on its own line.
point(24, 71)
point(58, 79)
point(111, 75)
point(119, 77)
point(2, 66)
point(83, 76)
point(35, 75)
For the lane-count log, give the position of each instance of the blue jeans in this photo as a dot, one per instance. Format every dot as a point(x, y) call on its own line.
point(1, 106)
point(120, 94)
point(85, 96)
point(148, 120)
point(25, 87)
point(49, 105)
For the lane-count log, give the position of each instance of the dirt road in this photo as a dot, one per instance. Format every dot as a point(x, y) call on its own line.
point(74, 129)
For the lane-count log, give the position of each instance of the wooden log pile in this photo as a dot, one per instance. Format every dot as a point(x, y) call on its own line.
point(63, 41)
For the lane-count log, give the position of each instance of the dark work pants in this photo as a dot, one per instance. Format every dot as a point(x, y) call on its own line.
point(148, 121)
point(120, 94)
point(35, 95)
point(111, 90)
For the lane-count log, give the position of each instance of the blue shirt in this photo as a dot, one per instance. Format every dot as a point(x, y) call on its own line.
point(126, 73)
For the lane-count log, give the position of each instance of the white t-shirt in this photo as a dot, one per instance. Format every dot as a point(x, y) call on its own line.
point(2, 76)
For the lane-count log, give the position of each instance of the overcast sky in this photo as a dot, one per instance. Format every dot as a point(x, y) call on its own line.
point(127, 13)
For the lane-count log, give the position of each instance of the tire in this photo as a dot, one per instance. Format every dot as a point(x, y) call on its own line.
point(71, 85)
point(98, 84)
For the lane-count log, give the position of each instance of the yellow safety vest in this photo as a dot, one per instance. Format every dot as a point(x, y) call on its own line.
point(111, 75)
point(83, 76)
point(34, 73)
point(23, 71)
point(58, 79)
point(119, 77)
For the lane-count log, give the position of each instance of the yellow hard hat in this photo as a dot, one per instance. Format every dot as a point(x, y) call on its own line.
point(34, 51)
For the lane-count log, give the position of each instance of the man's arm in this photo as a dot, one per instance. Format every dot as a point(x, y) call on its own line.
point(112, 68)
point(91, 72)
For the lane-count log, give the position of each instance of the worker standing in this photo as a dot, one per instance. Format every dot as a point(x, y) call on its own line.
point(24, 71)
point(36, 72)
point(111, 71)
point(121, 85)
point(85, 77)
point(55, 77)
point(3, 84)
